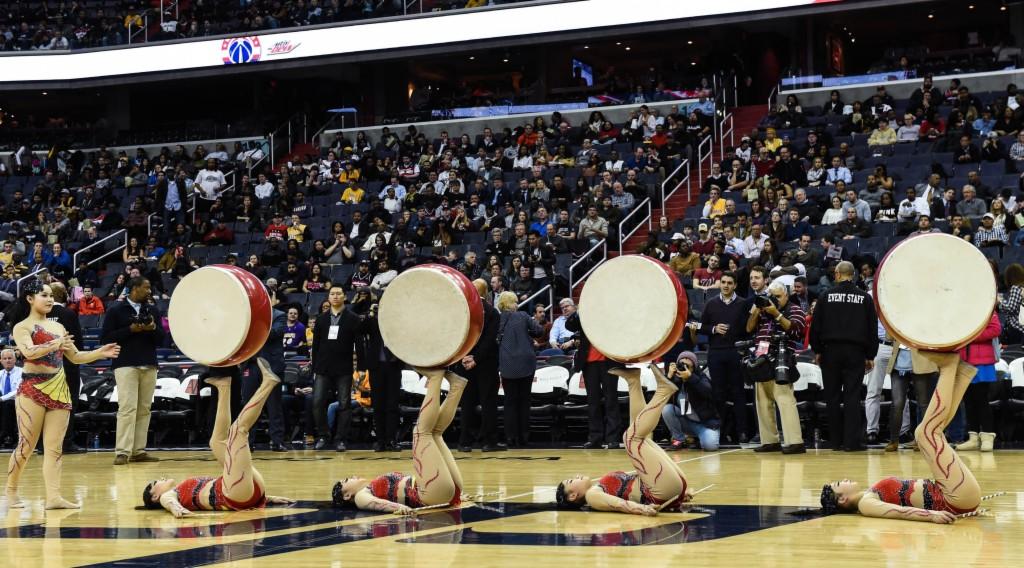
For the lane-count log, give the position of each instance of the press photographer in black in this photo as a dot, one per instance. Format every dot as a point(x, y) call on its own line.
point(771, 315)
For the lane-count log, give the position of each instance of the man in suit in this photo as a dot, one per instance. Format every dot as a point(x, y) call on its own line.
point(480, 366)
point(385, 383)
point(69, 319)
point(334, 339)
point(10, 380)
point(273, 352)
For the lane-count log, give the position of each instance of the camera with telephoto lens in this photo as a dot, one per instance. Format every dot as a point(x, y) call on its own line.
point(778, 363)
point(764, 301)
point(144, 317)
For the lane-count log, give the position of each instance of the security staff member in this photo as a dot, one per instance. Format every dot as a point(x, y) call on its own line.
point(843, 336)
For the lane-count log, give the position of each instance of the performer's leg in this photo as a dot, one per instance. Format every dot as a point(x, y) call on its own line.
point(636, 391)
point(238, 471)
point(655, 467)
point(456, 386)
point(55, 424)
point(30, 418)
point(222, 419)
point(433, 479)
point(958, 484)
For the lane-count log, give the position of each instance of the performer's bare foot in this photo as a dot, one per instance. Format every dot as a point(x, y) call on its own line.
point(630, 374)
point(61, 503)
point(219, 382)
point(455, 379)
point(13, 501)
point(268, 374)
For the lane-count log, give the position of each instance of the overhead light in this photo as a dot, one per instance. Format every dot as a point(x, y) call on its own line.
point(853, 40)
point(689, 42)
point(618, 43)
point(931, 16)
point(586, 47)
point(971, 7)
point(1002, 8)
point(693, 63)
point(472, 57)
point(44, 93)
point(505, 60)
point(628, 48)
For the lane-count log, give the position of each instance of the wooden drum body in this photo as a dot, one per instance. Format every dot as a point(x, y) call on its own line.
point(430, 316)
point(934, 292)
point(633, 309)
point(220, 315)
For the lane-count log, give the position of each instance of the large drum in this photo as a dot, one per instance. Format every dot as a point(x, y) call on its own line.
point(430, 316)
point(220, 315)
point(935, 292)
point(633, 309)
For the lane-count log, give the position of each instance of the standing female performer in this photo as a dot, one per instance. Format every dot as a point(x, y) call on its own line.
point(240, 486)
point(658, 482)
point(437, 478)
point(43, 404)
point(954, 490)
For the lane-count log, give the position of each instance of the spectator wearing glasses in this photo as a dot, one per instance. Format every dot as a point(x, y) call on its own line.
point(561, 339)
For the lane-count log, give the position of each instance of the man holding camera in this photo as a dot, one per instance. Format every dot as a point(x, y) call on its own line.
point(694, 413)
point(776, 318)
point(135, 325)
point(844, 340)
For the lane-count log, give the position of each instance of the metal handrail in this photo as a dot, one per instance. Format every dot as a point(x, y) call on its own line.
point(685, 179)
point(722, 131)
point(149, 224)
point(702, 155)
point(551, 300)
point(144, 30)
point(623, 236)
point(285, 129)
point(771, 97)
point(17, 284)
point(115, 234)
point(315, 138)
point(410, 3)
point(603, 244)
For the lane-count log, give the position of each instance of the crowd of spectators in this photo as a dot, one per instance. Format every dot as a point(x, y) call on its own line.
point(27, 25)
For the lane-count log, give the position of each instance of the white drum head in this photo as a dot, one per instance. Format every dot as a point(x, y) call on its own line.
point(424, 317)
point(209, 315)
point(935, 291)
point(629, 307)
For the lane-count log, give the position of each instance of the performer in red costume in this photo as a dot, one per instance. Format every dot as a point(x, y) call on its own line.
point(954, 490)
point(437, 479)
point(240, 485)
point(657, 484)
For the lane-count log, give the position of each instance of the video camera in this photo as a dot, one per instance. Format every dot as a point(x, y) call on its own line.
point(777, 363)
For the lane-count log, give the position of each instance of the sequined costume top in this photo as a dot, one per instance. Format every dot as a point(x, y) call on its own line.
point(896, 491)
point(49, 390)
point(620, 484)
point(190, 489)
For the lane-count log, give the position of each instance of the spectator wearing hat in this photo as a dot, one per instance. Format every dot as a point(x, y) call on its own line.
point(989, 234)
point(693, 413)
point(705, 244)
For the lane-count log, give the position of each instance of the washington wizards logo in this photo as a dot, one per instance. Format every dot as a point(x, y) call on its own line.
point(239, 50)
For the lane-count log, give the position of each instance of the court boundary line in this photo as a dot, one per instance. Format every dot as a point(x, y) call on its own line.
point(697, 458)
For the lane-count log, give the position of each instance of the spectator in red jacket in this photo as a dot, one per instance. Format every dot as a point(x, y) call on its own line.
point(89, 305)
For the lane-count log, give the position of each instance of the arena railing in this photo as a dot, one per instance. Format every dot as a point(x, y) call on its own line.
point(581, 263)
point(725, 129)
point(645, 207)
point(683, 166)
point(705, 154)
point(17, 284)
point(283, 138)
point(550, 291)
point(119, 233)
point(771, 97)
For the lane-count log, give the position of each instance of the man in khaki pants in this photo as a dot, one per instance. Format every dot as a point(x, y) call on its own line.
point(135, 325)
point(779, 315)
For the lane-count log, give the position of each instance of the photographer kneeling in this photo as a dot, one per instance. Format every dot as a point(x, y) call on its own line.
point(694, 413)
point(780, 325)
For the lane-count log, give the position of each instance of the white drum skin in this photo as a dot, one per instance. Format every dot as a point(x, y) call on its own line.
point(220, 315)
point(633, 309)
point(430, 316)
point(934, 292)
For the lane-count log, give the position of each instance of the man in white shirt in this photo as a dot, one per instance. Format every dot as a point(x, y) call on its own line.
point(10, 379)
point(561, 338)
point(912, 206)
point(838, 172)
point(734, 244)
point(385, 274)
point(614, 164)
point(220, 154)
point(392, 204)
point(930, 190)
point(264, 189)
point(209, 181)
point(753, 245)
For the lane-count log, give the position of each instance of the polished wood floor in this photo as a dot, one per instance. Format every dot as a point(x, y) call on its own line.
point(744, 520)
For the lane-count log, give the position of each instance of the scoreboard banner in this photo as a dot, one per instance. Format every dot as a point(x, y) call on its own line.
point(455, 27)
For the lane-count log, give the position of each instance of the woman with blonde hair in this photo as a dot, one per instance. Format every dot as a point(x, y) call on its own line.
point(517, 363)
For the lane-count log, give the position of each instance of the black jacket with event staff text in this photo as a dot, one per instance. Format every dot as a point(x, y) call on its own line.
point(845, 314)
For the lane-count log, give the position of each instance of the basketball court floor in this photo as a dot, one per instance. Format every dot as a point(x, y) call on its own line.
point(744, 519)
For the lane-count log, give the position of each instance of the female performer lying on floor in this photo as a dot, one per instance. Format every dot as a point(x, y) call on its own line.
point(658, 482)
point(240, 485)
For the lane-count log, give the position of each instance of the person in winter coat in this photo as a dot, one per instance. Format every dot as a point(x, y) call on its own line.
point(516, 365)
